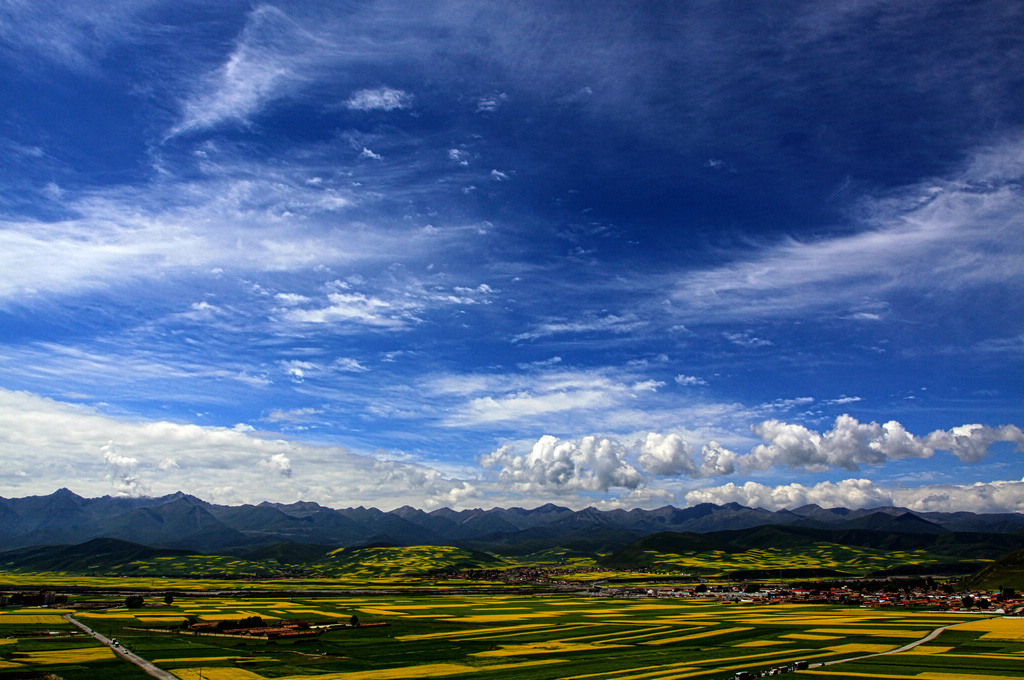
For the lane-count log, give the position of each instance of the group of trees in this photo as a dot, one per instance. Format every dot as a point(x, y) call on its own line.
point(137, 601)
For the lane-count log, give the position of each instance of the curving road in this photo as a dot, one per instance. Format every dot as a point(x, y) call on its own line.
point(927, 638)
point(124, 653)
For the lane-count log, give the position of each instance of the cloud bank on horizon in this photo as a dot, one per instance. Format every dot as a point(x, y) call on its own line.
point(469, 254)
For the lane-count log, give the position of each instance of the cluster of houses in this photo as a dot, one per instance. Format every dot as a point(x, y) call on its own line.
point(1007, 602)
point(257, 628)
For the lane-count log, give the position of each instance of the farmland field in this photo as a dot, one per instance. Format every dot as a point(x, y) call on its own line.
point(36, 639)
point(494, 637)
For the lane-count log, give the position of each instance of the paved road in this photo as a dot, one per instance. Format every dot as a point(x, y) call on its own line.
point(124, 653)
point(927, 638)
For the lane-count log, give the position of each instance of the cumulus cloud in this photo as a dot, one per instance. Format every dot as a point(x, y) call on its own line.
point(970, 443)
point(379, 99)
point(671, 456)
point(850, 444)
point(121, 471)
point(46, 444)
point(998, 496)
point(589, 464)
point(278, 463)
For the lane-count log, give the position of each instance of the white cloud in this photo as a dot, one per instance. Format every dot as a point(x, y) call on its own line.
point(607, 324)
point(360, 309)
point(459, 156)
point(291, 299)
point(298, 369)
point(498, 398)
point(525, 405)
point(590, 464)
point(278, 463)
point(369, 154)
point(491, 102)
point(295, 415)
point(671, 456)
point(850, 444)
point(746, 340)
point(941, 235)
point(119, 236)
point(690, 380)
point(60, 444)
point(393, 309)
point(270, 59)
point(970, 443)
point(122, 471)
point(349, 365)
point(76, 36)
point(998, 496)
point(380, 99)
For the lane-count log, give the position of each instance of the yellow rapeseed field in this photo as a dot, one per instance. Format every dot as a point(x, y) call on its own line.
point(860, 649)
point(64, 656)
point(696, 636)
point(468, 633)
point(929, 649)
point(997, 629)
point(879, 631)
point(31, 619)
point(544, 648)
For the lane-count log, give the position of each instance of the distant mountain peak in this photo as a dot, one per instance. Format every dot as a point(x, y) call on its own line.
point(180, 520)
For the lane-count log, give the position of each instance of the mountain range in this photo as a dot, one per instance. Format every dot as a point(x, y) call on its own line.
point(183, 522)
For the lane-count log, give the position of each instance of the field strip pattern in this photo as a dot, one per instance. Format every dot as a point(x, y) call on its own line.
point(518, 637)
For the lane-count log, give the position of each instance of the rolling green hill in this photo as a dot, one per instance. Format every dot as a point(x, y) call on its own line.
point(783, 549)
point(97, 555)
point(1006, 572)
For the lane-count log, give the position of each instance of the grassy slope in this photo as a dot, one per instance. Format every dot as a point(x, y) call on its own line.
point(1006, 572)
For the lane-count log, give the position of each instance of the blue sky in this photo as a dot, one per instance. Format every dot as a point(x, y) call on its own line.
point(473, 254)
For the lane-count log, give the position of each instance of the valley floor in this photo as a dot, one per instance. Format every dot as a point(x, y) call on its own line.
point(512, 637)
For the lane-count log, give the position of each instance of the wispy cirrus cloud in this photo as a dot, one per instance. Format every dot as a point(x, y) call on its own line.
point(537, 396)
point(396, 307)
point(117, 235)
point(610, 323)
point(271, 58)
point(954, 234)
point(75, 36)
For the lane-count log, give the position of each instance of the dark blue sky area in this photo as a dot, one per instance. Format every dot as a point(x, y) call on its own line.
point(488, 253)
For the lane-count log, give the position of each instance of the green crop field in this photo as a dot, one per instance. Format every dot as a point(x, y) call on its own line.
point(431, 566)
point(848, 559)
point(494, 637)
point(33, 639)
